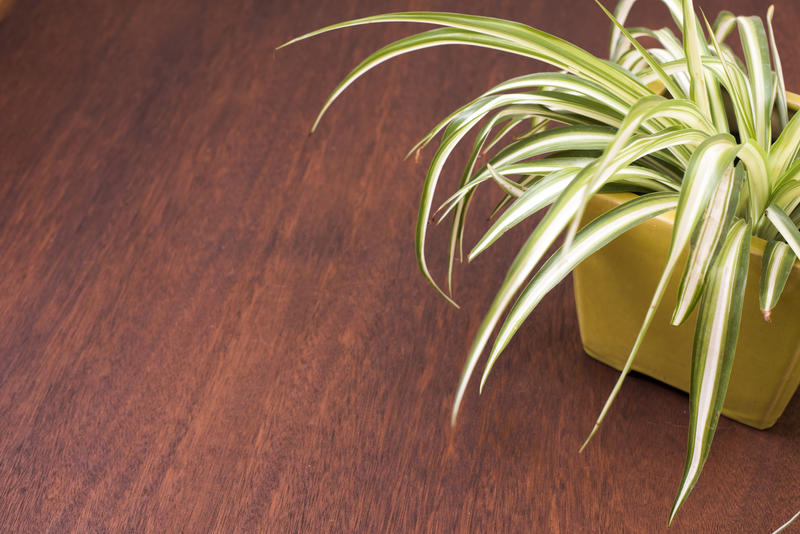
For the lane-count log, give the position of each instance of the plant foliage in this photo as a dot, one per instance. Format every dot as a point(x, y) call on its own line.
point(649, 120)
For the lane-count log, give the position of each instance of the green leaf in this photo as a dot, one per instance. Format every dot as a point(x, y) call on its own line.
point(539, 195)
point(694, 48)
point(785, 150)
point(558, 139)
point(536, 44)
point(438, 37)
point(618, 45)
point(566, 206)
point(527, 258)
point(591, 238)
point(756, 53)
point(673, 89)
point(783, 111)
point(732, 77)
point(672, 51)
point(723, 25)
point(786, 228)
point(646, 108)
point(777, 263)
point(758, 183)
point(706, 244)
point(715, 339)
point(459, 216)
point(453, 135)
point(509, 186)
point(566, 83)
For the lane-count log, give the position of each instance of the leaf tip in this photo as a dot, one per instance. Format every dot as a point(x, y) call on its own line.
point(673, 513)
point(486, 371)
point(316, 123)
point(767, 314)
point(669, 522)
point(589, 438)
point(602, 6)
point(415, 149)
point(456, 408)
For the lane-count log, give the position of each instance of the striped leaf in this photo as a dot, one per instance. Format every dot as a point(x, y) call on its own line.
point(758, 182)
point(459, 215)
point(756, 53)
point(509, 186)
point(438, 37)
point(612, 160)
point(591, 238)
point(541, 194)
point(787, 193)
point(535, 43)
point(559, 139)
point(694, 48)
point(785, 226)
point(723, 25)
point(671, 86)
point(672, 51)
point(715, 339)
point(545, 191)
point(618, 44)
point(542, 237)
point(453, 135)
point(784, 151)
point(555, 81)
point(552, 224)
point(778, 260)
point(783, 110)
point(566, 83)
point(706, 244)
point(731, 76)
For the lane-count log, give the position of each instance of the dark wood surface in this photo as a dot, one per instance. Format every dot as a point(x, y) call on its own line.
point(213, 322)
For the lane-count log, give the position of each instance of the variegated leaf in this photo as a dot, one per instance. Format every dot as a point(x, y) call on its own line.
point(777, 263)
point(715, 339)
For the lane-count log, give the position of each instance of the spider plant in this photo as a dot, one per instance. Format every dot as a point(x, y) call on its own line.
point(650, 120)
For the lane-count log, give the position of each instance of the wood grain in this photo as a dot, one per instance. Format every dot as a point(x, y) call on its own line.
point(211, 321)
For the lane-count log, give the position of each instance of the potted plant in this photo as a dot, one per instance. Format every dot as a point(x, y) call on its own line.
point(684, 138)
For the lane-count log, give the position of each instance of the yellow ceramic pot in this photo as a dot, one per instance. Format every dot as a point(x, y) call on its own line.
point(613, 289)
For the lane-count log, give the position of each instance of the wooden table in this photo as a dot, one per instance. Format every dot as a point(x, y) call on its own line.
point(211, 321)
